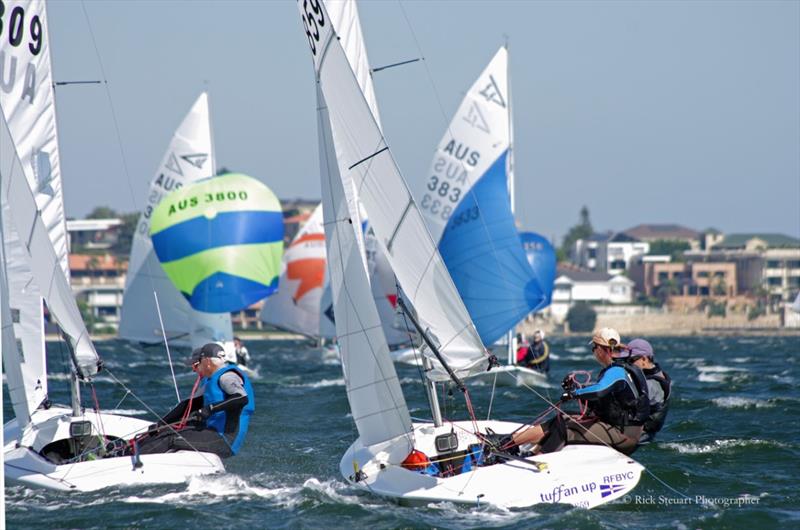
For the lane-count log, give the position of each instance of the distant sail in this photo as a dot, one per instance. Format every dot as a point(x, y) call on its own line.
point(297, 304)
point(542, 259)
point(220, 241)
point(467, 207)
point(188, 158)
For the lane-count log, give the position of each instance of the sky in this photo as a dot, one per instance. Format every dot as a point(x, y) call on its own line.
point(645, 112)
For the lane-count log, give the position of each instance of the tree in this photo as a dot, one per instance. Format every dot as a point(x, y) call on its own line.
point(581, 317)
point(102, 212)
point(582, 230)
point(126, 232)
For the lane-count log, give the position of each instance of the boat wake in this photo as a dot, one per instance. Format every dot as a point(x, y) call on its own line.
point(718, 446)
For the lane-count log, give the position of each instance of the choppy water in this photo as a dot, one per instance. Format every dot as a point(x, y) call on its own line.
point(732, 436)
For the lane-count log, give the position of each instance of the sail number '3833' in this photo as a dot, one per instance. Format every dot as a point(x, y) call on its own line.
point(313, 19)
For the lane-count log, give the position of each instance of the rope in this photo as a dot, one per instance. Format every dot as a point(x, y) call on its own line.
point(185, 418)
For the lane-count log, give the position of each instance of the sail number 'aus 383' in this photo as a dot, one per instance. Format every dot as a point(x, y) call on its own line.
point(14, 28)
point(313, 19)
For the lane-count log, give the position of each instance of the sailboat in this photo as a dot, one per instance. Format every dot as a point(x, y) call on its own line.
point(354, 155)
point(466, 199)
point(48, 445)
point(152, 307)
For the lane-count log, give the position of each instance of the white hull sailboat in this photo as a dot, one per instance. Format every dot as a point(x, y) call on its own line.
point(26, 461)
point(354, 156)
point(45, 445)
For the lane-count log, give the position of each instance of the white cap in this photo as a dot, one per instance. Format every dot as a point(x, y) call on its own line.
point(606, 337)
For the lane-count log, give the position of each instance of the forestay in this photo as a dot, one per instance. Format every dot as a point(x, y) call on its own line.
point(45, 265)
point(365, 158)
point(189, 158)
point(466, 204)
point(27, 102)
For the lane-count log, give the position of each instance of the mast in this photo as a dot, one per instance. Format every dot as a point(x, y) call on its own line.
point(511, 339)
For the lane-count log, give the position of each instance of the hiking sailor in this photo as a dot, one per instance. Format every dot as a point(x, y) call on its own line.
point(214, 422)
point(242, 355)
point(659, 386)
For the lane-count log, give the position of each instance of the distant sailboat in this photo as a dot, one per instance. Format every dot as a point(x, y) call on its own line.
point(353, 153)
point(47, 445)
point(190, 157)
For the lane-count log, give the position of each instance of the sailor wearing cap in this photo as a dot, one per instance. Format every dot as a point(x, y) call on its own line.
point(215, 422)
point(659, 385)
point(618, 405)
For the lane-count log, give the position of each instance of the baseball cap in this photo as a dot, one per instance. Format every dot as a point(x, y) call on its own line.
point(636, 348)
point(606, 337)
point(212, 349)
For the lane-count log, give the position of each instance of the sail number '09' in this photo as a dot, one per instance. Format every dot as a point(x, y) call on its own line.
point(313, 19)
point(12, 27)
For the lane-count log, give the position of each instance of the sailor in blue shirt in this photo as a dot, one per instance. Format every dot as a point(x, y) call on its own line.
point(617, 406)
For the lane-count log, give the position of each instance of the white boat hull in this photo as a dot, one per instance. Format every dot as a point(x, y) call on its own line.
point(24, 464)
point(512, 375)
point(581, 475)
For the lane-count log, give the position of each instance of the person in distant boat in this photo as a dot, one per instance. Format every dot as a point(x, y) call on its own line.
point(659, 385)
point(242, 355)
point(537, 354)
point(214, 422)
point(618, 405)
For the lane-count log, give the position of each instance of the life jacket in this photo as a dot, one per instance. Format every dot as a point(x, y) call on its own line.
point(621, 409)
point(522, 351)
point(419, 461)
point(234, 428)
point(658, 411)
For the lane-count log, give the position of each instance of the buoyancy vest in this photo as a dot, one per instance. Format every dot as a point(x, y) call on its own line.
point(229, 426)
point(658, 411)
point(623, 408)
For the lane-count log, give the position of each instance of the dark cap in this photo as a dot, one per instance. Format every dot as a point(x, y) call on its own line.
point(212, 349)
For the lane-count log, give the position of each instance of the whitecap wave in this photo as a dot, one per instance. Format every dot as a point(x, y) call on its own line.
point(731, 402)
point(211, 490)
point(126, 412)
point(320, 384)
point(716, 446)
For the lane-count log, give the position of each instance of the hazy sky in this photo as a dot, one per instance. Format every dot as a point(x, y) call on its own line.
point(646, 112)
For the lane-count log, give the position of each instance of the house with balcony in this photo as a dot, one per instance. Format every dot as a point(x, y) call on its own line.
point(99, 281)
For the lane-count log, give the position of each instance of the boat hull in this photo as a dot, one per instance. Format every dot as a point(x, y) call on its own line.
point(580, 475)
point(25, 465)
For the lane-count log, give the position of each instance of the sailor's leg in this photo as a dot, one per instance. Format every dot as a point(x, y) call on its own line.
point(205, 440)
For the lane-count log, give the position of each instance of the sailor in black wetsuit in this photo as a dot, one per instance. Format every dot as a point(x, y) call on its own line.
point(659, 386)
point(618, 406)
point(537, 355)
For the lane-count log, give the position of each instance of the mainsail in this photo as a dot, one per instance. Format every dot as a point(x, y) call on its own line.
point(28, 106)
point(466, 204)
point(189, 158)
point(364, 158)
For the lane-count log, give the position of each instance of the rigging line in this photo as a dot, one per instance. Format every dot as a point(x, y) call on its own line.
point(116, 131)
point(166, 344)
point(401, 63)
point(491, 398)
point(149, 409)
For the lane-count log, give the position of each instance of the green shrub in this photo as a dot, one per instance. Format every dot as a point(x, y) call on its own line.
point(581, 317)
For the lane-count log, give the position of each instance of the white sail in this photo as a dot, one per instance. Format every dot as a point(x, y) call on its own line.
point(297, 304)
point(364, 158)
point(44, 263)
point(189, 157)
point(384, 292)
point(27, 103)
point(373, 389)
